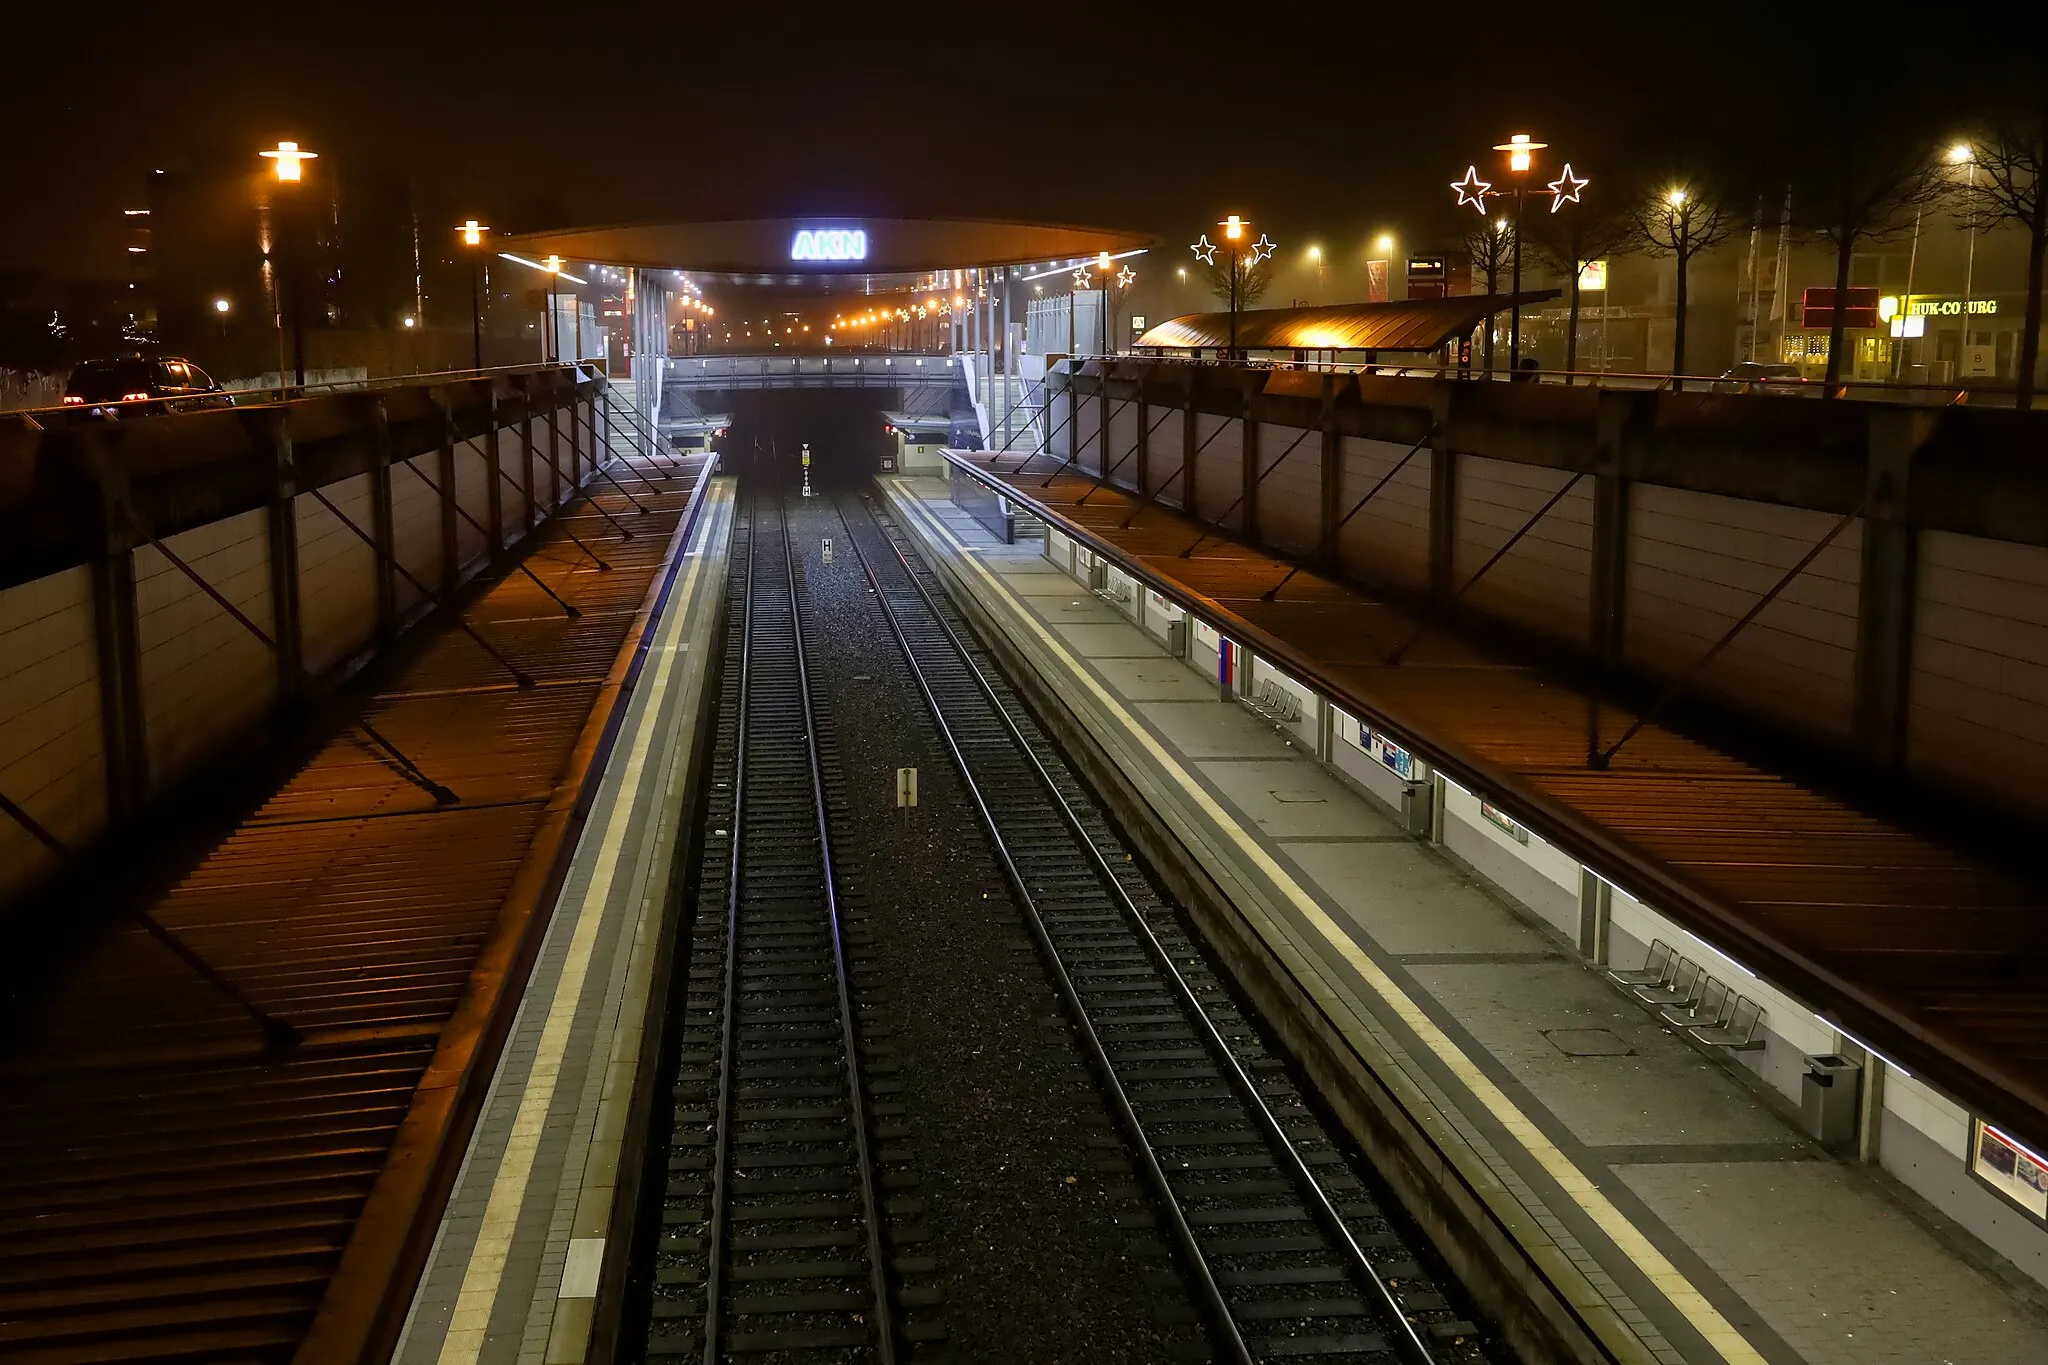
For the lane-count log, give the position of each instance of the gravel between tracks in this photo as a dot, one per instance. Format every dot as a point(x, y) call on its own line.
point(1006, 1119)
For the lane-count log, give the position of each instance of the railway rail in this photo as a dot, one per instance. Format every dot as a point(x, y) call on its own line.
point(773, 1237)
point(1285, 1250)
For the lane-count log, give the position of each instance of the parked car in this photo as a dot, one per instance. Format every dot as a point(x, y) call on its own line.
point(136, 386)
point(1753, 376)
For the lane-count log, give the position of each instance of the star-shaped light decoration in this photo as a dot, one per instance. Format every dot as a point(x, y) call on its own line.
point(1565, 189)
point(1472, 190)
point(1205, 250)
point(1080, 279)
point(1124, 277)
point(1263, 248)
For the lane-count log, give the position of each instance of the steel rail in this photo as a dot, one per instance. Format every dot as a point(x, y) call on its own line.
point(1407, 1343)
point(871, 1204)
point(728, 1040)
point(1230, 1339)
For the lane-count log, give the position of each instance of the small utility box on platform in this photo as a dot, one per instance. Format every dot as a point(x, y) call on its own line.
point(1828, 1095)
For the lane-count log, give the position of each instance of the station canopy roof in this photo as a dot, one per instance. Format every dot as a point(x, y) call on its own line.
point(787, 250)
point(1411, 325)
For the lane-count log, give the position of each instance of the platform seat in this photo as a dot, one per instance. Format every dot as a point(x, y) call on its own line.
point(1275, 703)
point(1655, 971)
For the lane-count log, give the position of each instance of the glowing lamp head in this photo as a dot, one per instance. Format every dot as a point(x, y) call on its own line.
point(221, 305)
point(1521, 150)
point(473, 232)
point(1104, 263)
point(1386, 241)
point(1960, 154)
point(1676, 197)
point(1315, 253)
point(411, 322)
point(553, 265)
point(290, 160)
point(1233, 228)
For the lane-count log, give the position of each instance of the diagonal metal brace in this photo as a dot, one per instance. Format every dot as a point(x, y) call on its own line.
point(1120, 405)
point(1185, 465)
point(1272, 594)
point(603, 468)
point(408, 769)
point(1216, 523)
point(525, 495)
point(1143, 437)
point(519, 675)
point(1600, 759)
point(1498, 555)
point(463, 512)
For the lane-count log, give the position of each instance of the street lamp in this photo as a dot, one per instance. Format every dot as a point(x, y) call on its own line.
point(473, 237)
point(1234, 229)
point(1315, 258)
point(220, 310)
point(289, 160)
point(553, 265)
point(1963, 154)
point(1521, 155)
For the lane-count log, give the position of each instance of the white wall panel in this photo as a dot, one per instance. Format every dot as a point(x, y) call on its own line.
point(52, 762)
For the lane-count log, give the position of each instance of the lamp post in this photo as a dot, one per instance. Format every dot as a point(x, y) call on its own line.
point(1963, 154)
point(473, 237)
point(289, 160)
point(1385, 245)
point(1521, 155)
point(553, 266)
point(1233, 240)
point(221, 308)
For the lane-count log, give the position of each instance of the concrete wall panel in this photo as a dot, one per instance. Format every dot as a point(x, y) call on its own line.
point(1698, 562)
point(472, 490)
point(416, 526)
point(1978, 699)
point(1290, 498)
point(1162, 465)
point(205, 677)
point(337, 574)
point(1389, 538)
point(1544, 582)
point(1219, 467)
point(52, 762)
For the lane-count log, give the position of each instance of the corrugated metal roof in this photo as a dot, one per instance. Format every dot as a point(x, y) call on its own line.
point(1411, 325)
point(1914, 946)
point(167, 1190)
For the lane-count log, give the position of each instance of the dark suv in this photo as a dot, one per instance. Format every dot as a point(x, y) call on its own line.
point(135, 386)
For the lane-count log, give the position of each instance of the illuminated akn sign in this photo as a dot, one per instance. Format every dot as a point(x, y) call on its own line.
point(829, 244)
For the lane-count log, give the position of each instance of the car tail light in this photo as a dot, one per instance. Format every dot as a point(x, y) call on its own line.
point(133, 397)
point(70, 398)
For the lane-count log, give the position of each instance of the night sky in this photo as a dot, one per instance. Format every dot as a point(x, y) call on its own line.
point(1159, 118)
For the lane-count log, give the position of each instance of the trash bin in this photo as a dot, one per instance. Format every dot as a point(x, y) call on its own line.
point(1828, 1095)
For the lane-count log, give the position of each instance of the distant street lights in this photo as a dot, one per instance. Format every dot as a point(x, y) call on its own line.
point(473, 237)
point(289, 160)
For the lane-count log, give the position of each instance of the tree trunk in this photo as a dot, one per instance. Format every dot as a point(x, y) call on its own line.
point(1492, 289)
point(1835, 328)
point(1571, 336)
point(2030, 335)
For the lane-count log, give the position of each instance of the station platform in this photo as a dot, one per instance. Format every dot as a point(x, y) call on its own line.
point(542, 1209)
point(1658, 1190)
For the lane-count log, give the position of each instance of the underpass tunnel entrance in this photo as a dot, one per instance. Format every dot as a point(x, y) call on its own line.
point(847, 430)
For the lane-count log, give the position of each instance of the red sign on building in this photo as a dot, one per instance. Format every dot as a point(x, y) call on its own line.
point(1858, 304)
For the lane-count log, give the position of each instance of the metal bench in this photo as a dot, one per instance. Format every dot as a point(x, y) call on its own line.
point(1741, 1033)
point(1712, 1010)
point(1688, 980)
point(1275, 703)
point(1655, 971)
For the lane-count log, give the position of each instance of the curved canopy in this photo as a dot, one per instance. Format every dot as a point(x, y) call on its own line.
point(825, 244)
point(1411, 325)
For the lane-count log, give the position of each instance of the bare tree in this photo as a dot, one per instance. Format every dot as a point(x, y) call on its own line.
point(2003, 185)
point(1858, 185)
point(1253, 278)
point(1572, 238)
point(1680, 221)
point(1490, 246)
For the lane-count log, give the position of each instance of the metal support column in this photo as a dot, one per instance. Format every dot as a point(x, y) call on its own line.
point(1887, 587)
point(1143, 478)
point(1443, 497)
point(124, 729)
point(1596, 912)
point(383, 532)
point(1330, 479)
point(451, 545)
point(494, 495)
point(287, 629)
point(1189, 449)
point(1248, 434)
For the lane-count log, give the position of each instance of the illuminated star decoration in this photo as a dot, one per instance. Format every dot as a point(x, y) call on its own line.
point(1263, 248)
point(1472, 190)
point(1565, 189)
point(1124, 277)
point(1205, 250)
point(1080, 279)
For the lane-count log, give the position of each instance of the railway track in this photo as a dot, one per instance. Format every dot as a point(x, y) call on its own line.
point(1285, 1250)
point(773, 1227)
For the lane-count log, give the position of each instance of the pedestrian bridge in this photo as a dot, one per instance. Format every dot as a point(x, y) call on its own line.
point(812, 371)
